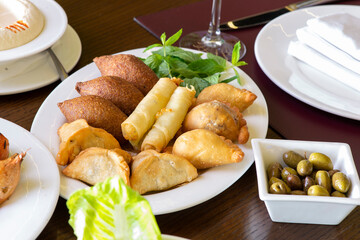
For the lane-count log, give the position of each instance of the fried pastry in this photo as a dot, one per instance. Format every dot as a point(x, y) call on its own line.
point(205, 149)
point(169, 120)
point(153, 171)
point(77, 136)
point(95, 165)
point(97, 111)
point(144, 115)
point(4, 147)
point(10, 175)
point(219, 118)
point(119, 91)
point(128, 67)
point(223, 92)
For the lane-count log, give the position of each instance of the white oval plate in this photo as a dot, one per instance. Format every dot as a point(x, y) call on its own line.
point(25, 214)
point(297, 78)
point(209, 184)
point(55, 26)
point(37, 71)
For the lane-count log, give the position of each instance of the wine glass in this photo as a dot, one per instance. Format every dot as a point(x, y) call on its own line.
point(212, 40)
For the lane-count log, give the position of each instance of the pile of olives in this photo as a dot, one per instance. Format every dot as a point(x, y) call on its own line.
point(313, 176)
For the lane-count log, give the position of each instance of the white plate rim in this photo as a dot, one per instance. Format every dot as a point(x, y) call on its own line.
point(38, 162)
point(175, 199)
point(273, 74)
point(55, 26)
point(60, 48)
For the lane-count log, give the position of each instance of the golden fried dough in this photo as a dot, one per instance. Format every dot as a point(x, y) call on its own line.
point(128, 67)
point(9, 175)
point(153, 171)
point(223, 92)
point(219, 118)
point(119, 91)
point(205, 149)
point(97, 111)
point(95, 165)
point(77, 136)
point(4, 147)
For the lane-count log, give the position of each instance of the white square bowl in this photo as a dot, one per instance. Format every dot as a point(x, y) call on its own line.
point(300, 208)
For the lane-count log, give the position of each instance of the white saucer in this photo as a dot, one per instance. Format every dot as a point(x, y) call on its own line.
point(55, 26)
point(38, 70)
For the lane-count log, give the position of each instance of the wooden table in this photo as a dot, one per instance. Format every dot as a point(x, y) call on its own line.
point(107, 27)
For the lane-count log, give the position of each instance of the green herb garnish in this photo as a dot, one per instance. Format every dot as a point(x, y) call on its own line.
point(170, 61)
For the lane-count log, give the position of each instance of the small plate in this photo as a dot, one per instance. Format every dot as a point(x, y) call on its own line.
point(55, 26)
point(38, 70)
point(25, 214)
point(297, 78)
point(309, 209)
point(209, 184)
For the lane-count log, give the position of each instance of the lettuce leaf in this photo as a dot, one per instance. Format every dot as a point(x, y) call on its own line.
point(111, 210)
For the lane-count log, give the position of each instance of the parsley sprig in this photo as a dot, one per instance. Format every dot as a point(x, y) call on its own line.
point(171, 61)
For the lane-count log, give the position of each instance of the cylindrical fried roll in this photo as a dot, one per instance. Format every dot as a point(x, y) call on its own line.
point(170, 119)
point(143, 117)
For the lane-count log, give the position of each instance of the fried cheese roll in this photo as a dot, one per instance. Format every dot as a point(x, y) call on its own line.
point(205, 149)
point(144, 115)
point(170, 119)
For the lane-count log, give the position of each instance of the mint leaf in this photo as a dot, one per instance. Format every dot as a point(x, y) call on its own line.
point(152, 46)
point(213, 79)
point(184, 55)
point(153, 61)
point(173, 38)
point(220, 61)
point(163, 38)
point(198, 83)
point(205, 67)
point(163, 70)
point(236, 53)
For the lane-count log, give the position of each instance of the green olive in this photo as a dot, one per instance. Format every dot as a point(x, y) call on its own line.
point(297, 192)
point(278, 188)
point(294, 182)
point(321, 161)
point(337, 194)
point(274, 180)
point(307, 183)
point(340, 182)
point(322, 178)
point(274, 170)
point(317, 190)
point(331, 172)
point(304, 168)
point(292, 158)
point(286, 171)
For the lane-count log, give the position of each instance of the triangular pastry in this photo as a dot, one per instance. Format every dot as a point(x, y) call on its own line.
point(153, 171)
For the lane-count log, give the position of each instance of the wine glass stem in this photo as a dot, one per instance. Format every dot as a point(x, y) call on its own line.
point(213, 35)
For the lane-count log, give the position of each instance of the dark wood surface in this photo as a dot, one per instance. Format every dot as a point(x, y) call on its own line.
point(107, 27)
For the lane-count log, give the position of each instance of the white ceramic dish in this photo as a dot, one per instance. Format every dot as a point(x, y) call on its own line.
point(210, 183)
point(295, 77)
point(306, 209)
point(55, 26)
point(38, 70)
point(25, 214)
point(170, 237)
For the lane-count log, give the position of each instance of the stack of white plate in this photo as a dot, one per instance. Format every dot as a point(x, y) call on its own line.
point(29, 66)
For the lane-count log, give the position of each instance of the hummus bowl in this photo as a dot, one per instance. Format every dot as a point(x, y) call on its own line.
point(55, 24)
